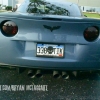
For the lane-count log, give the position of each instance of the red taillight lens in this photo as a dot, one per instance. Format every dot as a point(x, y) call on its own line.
point(9, 28)
point(91, 33)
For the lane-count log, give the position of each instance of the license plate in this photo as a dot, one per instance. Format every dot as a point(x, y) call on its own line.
point(50, 50)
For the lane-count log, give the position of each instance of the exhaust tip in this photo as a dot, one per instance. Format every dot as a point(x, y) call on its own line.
point(65, 75)
point(75, 73)
point(56, 74)
point(39, 74)
point(31, 74)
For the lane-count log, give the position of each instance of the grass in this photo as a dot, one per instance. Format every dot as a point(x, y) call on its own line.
point(2, 10)
point(92, 15)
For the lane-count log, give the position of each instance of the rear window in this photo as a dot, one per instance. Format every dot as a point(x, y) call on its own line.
point(50, 7)
point(43, 7)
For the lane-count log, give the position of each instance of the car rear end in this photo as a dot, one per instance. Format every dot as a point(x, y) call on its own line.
point(49, 37)
point(71, 43)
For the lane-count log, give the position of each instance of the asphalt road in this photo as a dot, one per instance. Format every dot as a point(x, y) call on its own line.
point(85, 87)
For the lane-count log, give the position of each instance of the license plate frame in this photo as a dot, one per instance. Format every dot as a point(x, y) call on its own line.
point(56, 49)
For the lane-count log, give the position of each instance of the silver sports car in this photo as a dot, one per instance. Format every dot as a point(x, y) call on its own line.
point(49, 35)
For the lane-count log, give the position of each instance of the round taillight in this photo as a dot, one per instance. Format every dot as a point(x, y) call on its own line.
point(9, 28)
point(91, 33)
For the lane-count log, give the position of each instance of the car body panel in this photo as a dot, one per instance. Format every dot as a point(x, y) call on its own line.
point(20, 50)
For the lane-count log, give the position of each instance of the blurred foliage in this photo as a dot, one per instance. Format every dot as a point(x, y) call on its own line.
point(9, 8)
point(43, 7)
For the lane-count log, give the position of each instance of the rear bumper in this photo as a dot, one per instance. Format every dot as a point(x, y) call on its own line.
point(76, 56)
point(52, 64)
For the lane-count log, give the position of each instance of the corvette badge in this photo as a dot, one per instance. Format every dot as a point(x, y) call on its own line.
point(51, 28)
